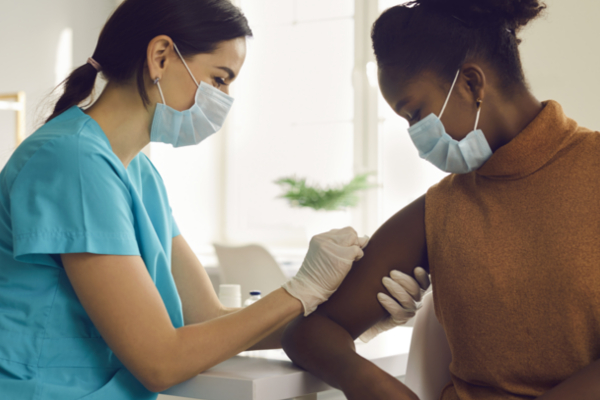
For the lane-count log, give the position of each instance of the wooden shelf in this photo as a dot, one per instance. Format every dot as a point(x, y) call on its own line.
point(15, 102)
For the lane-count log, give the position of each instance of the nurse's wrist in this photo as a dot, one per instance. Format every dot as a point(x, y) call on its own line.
point(296, 306)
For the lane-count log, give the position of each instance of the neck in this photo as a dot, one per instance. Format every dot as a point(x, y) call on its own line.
point(512, 118)
point(125, 121)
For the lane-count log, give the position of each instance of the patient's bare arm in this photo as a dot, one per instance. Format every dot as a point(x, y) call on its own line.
point(323, 343)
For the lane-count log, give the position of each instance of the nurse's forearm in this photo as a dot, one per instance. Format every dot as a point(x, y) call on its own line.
point(196, 348)
point(126, 307)
point(198, 298)
point(583, 385)
point(273, 341)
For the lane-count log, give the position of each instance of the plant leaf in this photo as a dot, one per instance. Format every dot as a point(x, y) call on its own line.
point(299, 194)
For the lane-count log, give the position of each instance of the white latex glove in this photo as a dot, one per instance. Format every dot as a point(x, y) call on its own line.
point(408, 294)
point(329, 259)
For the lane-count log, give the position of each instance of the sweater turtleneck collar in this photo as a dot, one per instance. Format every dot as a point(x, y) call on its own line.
point(533, 148)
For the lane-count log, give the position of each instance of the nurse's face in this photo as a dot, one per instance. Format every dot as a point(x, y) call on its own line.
point(219, 69)
point(415, 99)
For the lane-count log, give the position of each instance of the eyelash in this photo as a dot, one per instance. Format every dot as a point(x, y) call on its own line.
point(414, 118)
point(220, 81)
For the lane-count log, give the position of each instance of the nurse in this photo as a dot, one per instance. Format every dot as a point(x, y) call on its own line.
point(100, 295)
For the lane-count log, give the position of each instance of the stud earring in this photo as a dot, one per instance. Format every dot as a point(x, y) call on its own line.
point(156, 80)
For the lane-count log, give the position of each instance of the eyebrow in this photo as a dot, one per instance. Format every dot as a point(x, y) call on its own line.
point(229, 72)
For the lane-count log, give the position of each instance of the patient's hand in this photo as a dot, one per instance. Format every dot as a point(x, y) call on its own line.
point(407, 293)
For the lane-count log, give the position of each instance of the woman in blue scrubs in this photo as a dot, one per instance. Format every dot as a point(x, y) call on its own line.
point(100, 295)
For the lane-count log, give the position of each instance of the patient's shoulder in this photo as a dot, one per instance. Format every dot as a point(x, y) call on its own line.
point(399, 244)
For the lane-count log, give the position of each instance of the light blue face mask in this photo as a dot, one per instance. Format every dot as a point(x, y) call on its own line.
point(446, 153)
point(190, 127)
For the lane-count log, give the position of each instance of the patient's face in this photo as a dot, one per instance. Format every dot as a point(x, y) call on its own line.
point(415, 99)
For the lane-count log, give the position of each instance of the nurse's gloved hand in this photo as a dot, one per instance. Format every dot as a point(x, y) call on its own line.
point(407, 292)
point(329, 259)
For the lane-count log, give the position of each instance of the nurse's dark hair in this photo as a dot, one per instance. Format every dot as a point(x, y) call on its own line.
point(441, 35)
point(196, 26)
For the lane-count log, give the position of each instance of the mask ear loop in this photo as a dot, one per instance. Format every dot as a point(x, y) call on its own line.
point(160, 90)
point(186, 66)
point(479, 101)
point(450, 93)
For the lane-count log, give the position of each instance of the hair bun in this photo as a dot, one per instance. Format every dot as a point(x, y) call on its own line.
point(514, 13)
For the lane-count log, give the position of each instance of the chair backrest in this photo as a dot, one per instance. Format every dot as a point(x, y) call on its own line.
point(429, 357)
point(252, 267)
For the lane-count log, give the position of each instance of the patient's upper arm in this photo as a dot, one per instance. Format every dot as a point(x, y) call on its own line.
point(398, 244)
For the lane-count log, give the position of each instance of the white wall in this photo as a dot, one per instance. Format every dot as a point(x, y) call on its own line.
point(561, 56)
point(30, 31)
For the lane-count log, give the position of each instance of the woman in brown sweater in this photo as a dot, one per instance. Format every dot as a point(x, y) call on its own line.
point(511, 238)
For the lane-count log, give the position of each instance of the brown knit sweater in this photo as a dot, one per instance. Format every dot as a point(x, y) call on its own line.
point(514, 251)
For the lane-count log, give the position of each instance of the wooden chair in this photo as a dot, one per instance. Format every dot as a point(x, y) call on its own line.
point(252, 267)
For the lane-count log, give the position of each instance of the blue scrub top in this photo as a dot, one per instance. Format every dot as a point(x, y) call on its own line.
point(65, 191)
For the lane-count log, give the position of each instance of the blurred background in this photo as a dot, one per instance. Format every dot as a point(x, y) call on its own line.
point(307, 104)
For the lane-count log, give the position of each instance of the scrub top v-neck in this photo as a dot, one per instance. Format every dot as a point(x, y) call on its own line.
point(65, 191)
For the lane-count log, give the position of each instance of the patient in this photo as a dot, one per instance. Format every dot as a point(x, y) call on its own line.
point(511, 238)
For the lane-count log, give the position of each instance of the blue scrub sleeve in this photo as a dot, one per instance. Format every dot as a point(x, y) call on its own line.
point(175, 230)
point(72, 197)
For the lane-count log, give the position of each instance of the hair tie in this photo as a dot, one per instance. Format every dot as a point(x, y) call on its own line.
point(94, 64)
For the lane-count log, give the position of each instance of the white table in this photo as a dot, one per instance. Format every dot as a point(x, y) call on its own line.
point(270, 375)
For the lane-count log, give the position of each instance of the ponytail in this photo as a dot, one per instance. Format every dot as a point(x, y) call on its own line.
point(78, 87)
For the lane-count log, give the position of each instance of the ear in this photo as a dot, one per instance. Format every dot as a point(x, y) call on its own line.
point(157, 56)
point(475, 80)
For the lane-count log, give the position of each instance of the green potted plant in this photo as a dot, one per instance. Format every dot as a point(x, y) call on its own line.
point(329, 203)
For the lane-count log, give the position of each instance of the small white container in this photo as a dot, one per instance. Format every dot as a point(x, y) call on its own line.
point(230, 295)
point(255, 296)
